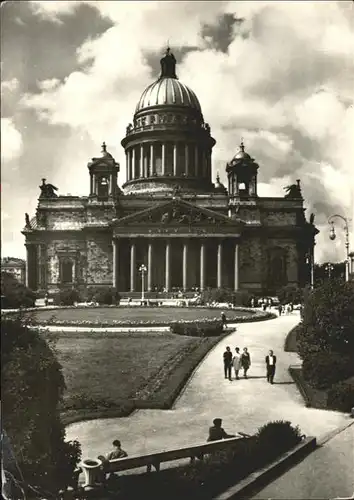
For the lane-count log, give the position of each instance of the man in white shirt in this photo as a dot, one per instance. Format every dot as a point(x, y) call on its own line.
point(271, 361)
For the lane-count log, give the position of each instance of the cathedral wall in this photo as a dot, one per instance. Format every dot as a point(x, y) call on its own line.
point(72, 248)
point(100, 260)
point(251, 262)
point(279, 218)
point(64, 220)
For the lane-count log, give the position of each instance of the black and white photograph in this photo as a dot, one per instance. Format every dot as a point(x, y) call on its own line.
point(177, 250)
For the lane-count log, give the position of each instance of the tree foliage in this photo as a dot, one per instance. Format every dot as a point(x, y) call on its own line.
point(32, 386)
point(326, 339)
point(240, 298)
point(290, 294)
point(14, 294)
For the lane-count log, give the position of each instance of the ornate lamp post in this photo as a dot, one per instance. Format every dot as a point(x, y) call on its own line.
point(142, 270)
point(329, 268)
point(332, 236)
point(309, 261)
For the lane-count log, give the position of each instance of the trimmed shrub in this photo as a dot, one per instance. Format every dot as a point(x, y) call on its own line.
point(221, 295)
point(276, 438)
point(67, 297)
point(322, 369)
point(106, 295)
point(210, 329)
point(14, 294)
point(341, 396)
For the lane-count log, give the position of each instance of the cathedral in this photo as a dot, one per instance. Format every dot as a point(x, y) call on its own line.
point(169, 223)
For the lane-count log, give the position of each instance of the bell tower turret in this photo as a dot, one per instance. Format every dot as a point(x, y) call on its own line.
point(242, 175)
point(103, 175)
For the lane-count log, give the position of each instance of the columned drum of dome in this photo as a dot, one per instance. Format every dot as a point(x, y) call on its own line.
point(168, 144)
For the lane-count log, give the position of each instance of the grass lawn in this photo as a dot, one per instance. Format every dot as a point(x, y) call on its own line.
point(111, 374)
point(155, 314)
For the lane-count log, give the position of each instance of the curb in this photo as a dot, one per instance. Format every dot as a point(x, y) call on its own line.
point(293, 370)
point(259, 479)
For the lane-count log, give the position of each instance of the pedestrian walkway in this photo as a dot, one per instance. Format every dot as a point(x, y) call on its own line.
point(327, 473)
point(244, 404)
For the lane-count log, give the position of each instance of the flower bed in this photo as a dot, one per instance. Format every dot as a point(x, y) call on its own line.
point(100, 320)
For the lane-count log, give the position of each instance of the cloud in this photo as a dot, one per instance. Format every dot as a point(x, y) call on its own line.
point(11, 140)
point(285, 83)
point(49, 84)
point(10, 85)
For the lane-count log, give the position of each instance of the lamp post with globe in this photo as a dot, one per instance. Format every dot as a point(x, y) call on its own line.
point(332, 236)
point(142, 270)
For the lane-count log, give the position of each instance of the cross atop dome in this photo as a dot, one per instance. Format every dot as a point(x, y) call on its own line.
point(242, 145)
point(168, 65)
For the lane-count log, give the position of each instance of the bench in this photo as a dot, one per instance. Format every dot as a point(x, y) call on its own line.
point(93, 468)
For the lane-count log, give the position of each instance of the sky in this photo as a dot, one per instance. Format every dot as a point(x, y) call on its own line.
point(278, 74)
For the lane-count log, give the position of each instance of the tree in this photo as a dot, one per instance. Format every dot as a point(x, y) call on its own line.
point(328, 319)
point(14, 294)
point(32, 387)
point(290, 294)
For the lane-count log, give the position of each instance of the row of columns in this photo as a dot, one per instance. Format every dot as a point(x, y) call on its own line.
point(168, 265)
point(148, 162)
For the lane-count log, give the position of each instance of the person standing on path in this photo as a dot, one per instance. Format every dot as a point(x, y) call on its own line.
point(236, 362)
point(280, 308)
point(271, 361)
point(227, 362)
point(245, 361)
point(223, 320)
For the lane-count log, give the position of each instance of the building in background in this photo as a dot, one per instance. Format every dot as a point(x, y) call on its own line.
point(14, 266)
point(188, 231)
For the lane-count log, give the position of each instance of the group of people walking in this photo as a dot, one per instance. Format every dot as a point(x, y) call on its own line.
point(242, 361)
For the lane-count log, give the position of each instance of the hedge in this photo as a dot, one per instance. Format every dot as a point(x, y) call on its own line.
point(197, 329)
point(341, 396)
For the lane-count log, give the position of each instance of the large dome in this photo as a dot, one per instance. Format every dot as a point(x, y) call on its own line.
point(168, 91)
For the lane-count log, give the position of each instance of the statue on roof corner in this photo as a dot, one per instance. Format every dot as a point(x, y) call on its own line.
point(27, 220)
point(293, 191)
point(47, 190)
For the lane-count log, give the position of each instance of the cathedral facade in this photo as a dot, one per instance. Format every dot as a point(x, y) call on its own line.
point(169, 220)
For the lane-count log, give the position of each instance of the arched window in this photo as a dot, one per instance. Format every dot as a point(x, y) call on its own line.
point(103, 187)
point(66, 271)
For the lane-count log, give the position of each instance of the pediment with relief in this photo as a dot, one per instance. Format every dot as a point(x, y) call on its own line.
point(177, 212)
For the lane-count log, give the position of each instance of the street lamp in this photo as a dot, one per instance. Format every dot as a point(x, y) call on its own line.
point(329, 268)
point(332, 236)
point(309, 261)
point(142, 270)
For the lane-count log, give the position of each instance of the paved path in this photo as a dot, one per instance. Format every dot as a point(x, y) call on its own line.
point(244, 405)
point(327, 473)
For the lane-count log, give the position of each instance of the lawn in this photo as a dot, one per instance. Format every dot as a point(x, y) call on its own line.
point(138, 314)
point(111, 374)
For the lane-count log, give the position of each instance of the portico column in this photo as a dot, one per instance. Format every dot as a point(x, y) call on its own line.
point(149, 266)
point(167, 265)
point(91, 184)
point(39, 266)
point(219, 265)
point(202, 265)
point(133, 164)
point(141, 160)
point(163, 159)
point(185, 265)
point(127, 163)
point(132, 266)
point(236, 268)
point(152, 160)
point(28, 252)
point(196, 161)
point(186, 165)
point(175, 159)
point(115, 264)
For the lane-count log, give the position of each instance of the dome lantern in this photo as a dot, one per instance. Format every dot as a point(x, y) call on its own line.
point(168, 65)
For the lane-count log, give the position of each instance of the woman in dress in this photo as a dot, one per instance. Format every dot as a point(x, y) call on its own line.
point(236, 362)
point(245, 361)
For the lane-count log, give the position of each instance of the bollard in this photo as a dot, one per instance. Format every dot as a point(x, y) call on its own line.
point(92, 470)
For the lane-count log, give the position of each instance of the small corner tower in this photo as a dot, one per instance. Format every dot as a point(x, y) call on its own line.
point(103, 175)
point(242, 175)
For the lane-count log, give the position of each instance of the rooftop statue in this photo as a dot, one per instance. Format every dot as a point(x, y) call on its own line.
point(47, 190)
point(293, 190)
point(27, 219)
point(168, 65)
point(312, 219)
